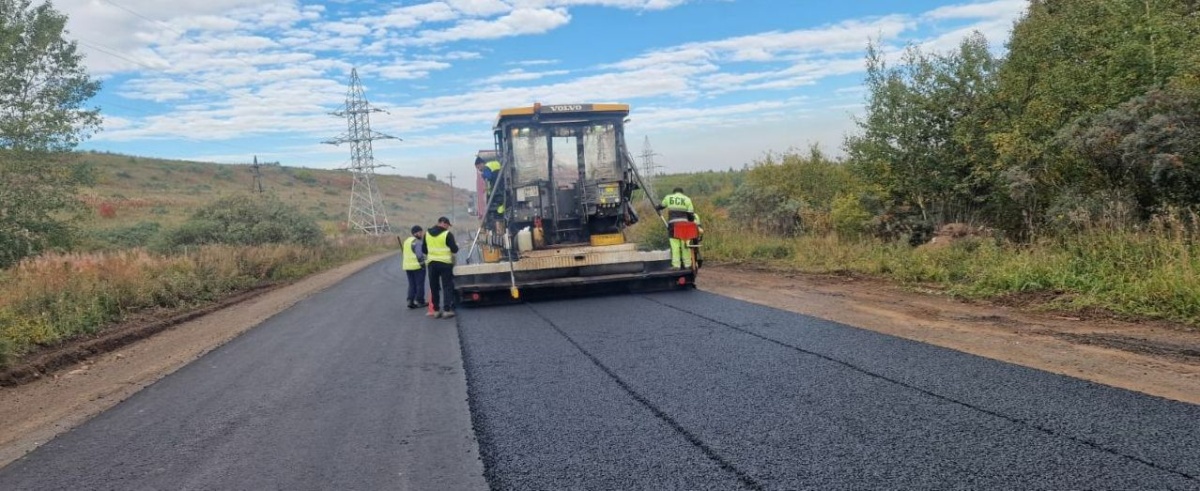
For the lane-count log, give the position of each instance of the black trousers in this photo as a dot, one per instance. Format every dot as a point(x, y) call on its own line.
point(441, 280)
point(416, 285)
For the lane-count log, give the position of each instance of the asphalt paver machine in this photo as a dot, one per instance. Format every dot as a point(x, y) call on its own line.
point(555, 218)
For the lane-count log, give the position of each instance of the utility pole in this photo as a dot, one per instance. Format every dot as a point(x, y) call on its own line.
point(649, 168)
point(256, 171)
point(451, 179)
point(366, 212)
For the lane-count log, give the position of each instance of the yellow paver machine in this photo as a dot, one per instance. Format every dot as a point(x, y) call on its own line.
point(555, 215)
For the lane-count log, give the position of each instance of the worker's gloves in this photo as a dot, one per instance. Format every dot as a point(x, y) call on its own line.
point(659, 207)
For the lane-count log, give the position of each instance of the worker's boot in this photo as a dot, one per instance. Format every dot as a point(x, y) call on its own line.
point(412, 304)
point(447, 314)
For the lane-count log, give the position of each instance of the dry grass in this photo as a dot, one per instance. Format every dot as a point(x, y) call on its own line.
point(138, 190)
point(52, 298)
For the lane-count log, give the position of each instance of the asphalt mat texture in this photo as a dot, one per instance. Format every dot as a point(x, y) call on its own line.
point(689, 390)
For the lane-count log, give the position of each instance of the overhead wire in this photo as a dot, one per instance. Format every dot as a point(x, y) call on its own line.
point(145, 112)
point(168, 27)
point(110, 51)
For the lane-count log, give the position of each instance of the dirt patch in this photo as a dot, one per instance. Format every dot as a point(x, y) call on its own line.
point(1029, 299)
point(34, 413)
point(1158, 348)
point(952, 233)
point(1156, 358)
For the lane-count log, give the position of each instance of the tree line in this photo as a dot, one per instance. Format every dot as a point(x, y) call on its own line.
point(1093, 113)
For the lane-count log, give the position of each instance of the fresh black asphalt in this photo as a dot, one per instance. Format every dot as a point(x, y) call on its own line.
point(346, 390)
point(676, 390)
point(688, 390)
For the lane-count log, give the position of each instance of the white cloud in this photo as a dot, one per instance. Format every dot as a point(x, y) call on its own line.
point(845, 37)
point(346, 28)
point(454, 55)
point(417, 15)
point(996, 9)
point(480, 8)
point(533, 62)
point(516, 23)
point(408, 69)
point(115, 122)
point(623, 4)
point(518, 75)
point(682, 117)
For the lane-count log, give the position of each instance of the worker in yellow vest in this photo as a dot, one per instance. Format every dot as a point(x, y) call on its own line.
point(490, 171)
point(439, 248)
point(679, 209)
point(412, 257)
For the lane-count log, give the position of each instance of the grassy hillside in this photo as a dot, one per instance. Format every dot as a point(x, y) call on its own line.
point(135, 191)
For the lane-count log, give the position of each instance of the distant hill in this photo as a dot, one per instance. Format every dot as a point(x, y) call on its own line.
point(131, 191)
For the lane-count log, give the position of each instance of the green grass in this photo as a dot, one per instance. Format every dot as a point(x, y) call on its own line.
point(1144, 274)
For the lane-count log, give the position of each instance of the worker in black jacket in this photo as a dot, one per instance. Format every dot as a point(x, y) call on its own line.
point(439, 248)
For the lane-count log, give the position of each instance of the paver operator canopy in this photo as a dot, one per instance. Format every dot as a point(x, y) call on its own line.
point(564, 172)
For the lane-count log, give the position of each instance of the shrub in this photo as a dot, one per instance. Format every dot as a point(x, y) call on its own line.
point(137, 235)
point(850, 218)
point(771, 251)
point(305, 177)
point(245, 220)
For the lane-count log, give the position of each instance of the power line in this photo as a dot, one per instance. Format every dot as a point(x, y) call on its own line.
point(127, 9)
point(649, 167)
point(110, 51)
point(451, 179)
point(162, 70)
point(166, 26)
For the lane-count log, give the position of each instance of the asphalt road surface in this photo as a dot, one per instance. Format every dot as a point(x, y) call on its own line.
point(676, 390)
point(346, 390)
point(689, 390)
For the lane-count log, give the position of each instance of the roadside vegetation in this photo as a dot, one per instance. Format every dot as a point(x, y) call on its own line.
point(90, 240)
point(228, 247)
point(58, 296)
point(1065, 174)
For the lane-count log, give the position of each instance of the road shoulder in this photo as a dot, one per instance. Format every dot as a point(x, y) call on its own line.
point(1152, 358)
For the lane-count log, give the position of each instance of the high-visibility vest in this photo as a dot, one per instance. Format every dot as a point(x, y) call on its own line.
point(410, 257)
point(679, 205)
point(438, 250)
point(493, 166)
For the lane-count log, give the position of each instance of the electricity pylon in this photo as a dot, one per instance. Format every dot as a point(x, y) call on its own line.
point(256, 170)
point(366, 204)
point(649, 168)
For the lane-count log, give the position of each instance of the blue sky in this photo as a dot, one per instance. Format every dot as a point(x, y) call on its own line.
point(713, 83)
